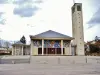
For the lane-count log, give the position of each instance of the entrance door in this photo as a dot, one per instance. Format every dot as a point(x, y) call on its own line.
point(58, 51)
point(51, 50)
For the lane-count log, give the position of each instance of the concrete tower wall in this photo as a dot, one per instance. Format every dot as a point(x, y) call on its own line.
point(77, 27)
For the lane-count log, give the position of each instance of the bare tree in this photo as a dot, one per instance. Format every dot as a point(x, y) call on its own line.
point(7, 45)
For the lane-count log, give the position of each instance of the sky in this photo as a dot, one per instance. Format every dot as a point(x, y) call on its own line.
point(30, 17)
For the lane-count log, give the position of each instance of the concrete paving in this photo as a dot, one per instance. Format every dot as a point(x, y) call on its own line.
point(50, 65)
point(47, 69)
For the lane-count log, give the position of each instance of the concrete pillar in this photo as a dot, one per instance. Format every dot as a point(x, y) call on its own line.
point(70, 48)
point(15, 50)
point(42, 47)
point(22, 50)
point(61, 47)
point(31, 52)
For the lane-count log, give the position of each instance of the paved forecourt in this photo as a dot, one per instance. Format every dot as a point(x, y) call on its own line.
point(47, 69)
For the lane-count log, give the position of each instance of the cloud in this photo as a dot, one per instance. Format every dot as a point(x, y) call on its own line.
point(1, 13)
point(27, 1)
point(3, 1)
point(26, 8)
point(20, 2)
point(2, 20)
point(94, 2)
point(38, 1)
point(95, 9)
point(27, 11)
point(95, 20)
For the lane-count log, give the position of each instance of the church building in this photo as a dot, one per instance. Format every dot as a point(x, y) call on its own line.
point(50, 43)
point(54, 43)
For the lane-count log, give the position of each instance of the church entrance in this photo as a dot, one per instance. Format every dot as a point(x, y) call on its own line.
point(53, 51)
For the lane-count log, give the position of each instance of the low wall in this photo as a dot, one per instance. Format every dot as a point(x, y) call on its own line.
point(50, 59)
point(14, 59)
point(65, 59)
point(57, 59)
point(93, 59)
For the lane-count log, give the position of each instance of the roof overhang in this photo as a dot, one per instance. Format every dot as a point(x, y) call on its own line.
point(51, 38)
point(51, 35)
point(20, 45)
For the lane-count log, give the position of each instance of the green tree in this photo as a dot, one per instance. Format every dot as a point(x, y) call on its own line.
point(23, 40)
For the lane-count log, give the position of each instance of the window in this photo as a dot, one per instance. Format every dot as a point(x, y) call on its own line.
point(45, 50)
point(73, 9)
point(63, 51)
point(78, 8)
point(39, 50)
point(58, 50)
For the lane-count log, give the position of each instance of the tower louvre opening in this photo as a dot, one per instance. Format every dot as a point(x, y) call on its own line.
point(78, 8)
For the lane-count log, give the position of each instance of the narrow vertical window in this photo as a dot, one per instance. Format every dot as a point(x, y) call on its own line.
point(78, 8)
point(39, 50)
point(73, 9)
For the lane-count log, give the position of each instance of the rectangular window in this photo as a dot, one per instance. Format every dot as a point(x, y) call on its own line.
point(58, 50)
point(78, 8)
point(73, 9)
point(63, 50)
point(39, 50)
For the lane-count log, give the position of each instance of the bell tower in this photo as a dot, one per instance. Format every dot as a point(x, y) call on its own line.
point(77, 28)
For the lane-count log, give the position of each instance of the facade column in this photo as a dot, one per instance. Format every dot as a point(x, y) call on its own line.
point(70, 49)
point(31, 48)
point(22, 50)
point(42, 47)
point(61, 47)
point(15, 51)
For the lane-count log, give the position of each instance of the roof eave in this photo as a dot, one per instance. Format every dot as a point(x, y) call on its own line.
point(20, 45)
point(53, 38)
